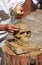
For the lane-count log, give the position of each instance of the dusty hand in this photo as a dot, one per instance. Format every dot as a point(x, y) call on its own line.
point(11, 28)
point(18, 10)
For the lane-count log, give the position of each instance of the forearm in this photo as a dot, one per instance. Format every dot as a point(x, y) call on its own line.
point(2, 27)
point(8, 27)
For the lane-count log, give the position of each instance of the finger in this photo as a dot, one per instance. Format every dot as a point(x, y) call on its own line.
point(14, 26)
point(16, 29)
point(11, 32)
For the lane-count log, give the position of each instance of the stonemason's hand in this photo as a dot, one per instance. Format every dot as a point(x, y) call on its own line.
point(11, 28)
point(18, 10)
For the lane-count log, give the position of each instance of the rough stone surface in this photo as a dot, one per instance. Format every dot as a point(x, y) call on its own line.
point(34, 20)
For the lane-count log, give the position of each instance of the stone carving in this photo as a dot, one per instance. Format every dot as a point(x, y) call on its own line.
point(20, 43)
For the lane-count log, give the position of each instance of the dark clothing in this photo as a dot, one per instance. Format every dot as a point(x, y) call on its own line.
point(40, 1)
point(33, 6)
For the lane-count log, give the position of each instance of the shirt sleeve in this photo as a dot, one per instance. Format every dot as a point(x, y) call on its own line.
point(13, 3)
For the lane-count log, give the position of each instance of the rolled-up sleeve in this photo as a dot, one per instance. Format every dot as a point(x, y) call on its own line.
point(13, 3)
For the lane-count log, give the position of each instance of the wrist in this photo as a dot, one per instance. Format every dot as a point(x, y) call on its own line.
point(2, 27)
